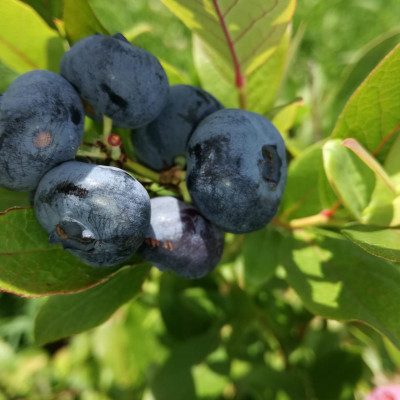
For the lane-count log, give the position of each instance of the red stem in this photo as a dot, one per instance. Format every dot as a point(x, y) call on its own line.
point(240, 79)
point(386, 139)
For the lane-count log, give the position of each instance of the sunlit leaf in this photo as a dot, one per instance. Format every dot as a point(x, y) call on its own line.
point(371, 115)
point(337, 279)
point(365, 189)
point(260, 256)
point(81, 21)
point(173, 380)
point(175, 76)
point(381, 242)
point(351, 179)
point(367, 158)
point(263, 83)
point(284, 119)
point(236, 39)
point(42, 48)
point(392, 163)
point(368, 58)
point(301, 197)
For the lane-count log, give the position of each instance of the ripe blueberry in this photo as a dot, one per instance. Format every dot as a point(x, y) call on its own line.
point(157, 144)
point(116, 79)
point(98, 213)
point(236, 170)
point(181, 240)
point(41, 125)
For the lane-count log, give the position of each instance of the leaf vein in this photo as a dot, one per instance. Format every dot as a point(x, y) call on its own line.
point(229, 9)
point(17, 52)
point(254, 21)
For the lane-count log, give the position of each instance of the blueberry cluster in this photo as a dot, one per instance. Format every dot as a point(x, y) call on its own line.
point(236, 163)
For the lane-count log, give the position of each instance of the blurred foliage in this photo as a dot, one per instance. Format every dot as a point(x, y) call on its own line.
point(340, 43)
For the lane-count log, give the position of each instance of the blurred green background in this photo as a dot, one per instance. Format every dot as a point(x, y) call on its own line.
point(211, 339)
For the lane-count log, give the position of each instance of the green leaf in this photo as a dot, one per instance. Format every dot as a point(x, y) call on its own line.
point(285, 116)
point(284, 119)
point(237, 38)
point(365, 189)
point(175, 76)
point(336, 373)
point(337, 279)
point(10, 199)
point(209, 384)
point(129, 22)
point(7, 75)
point(384, 208)
point(186, 306)
point(355, 186)
point(263, 83)
point(369, 57)
point(173, 380)
point(212, 80)
point(392, 163)
point(65, 315)
point(367, 158)
point(30, 266)
point(48, 10)
point(301, 197)
point(144, 344)
point(42, 48)
point(381, 242)
point(260, 255)
point(81, 21)
point(371, 115)
point(264, 382)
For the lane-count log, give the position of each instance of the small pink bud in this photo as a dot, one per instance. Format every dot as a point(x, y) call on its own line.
point(386, 392)
point(114, 140)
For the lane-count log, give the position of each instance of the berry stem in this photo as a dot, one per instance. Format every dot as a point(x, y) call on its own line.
point(141, 170)
point(95, 153)
point(184, 192)
point(323, 218)
point(395, 130)
point(107, 128)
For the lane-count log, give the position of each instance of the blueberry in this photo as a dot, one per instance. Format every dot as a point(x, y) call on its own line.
point(236, 170)
point(157, 144)
point(116, 79)
point(99, 214)
point(181, 240)
point(41, 125)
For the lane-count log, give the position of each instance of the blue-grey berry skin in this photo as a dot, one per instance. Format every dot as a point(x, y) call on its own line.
point(99, 214)
point(41, 125)
point(236, 170)
point(181, 240)
point(116, 79)
point(157, 144)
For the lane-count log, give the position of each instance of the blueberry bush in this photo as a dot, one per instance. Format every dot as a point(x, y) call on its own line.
point(199, 199)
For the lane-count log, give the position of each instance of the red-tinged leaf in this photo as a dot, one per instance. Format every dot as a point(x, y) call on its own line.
point(243, 33)
point(30, 266)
